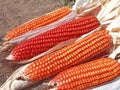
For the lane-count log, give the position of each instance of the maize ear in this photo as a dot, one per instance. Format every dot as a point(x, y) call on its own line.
point(38, 22)
point(86, 75)
point(47, 40)
point(76, 53)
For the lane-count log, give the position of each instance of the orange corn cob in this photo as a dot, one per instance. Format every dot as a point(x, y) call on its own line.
point(86, 75)
point(47, 40)
point(38, 22)
point(76, 53)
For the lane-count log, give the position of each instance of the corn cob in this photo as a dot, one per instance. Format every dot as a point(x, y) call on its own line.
point(38, 22)
point(86, 75)
point(47, 40)
point(76, 53)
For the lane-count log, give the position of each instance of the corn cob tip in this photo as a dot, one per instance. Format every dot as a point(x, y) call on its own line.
point(52, 86)
point(52, 89)
point(5, 46)
point(4, 39)
point(10, 57)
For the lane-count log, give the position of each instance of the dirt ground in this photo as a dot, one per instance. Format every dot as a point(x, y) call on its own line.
point(16, 12)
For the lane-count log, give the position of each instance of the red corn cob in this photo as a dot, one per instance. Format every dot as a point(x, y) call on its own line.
point(86, 75)
point(47, 40)
point(76, 53)
point(38, 22)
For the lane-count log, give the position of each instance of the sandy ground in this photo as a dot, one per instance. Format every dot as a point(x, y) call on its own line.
point(16, 12)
